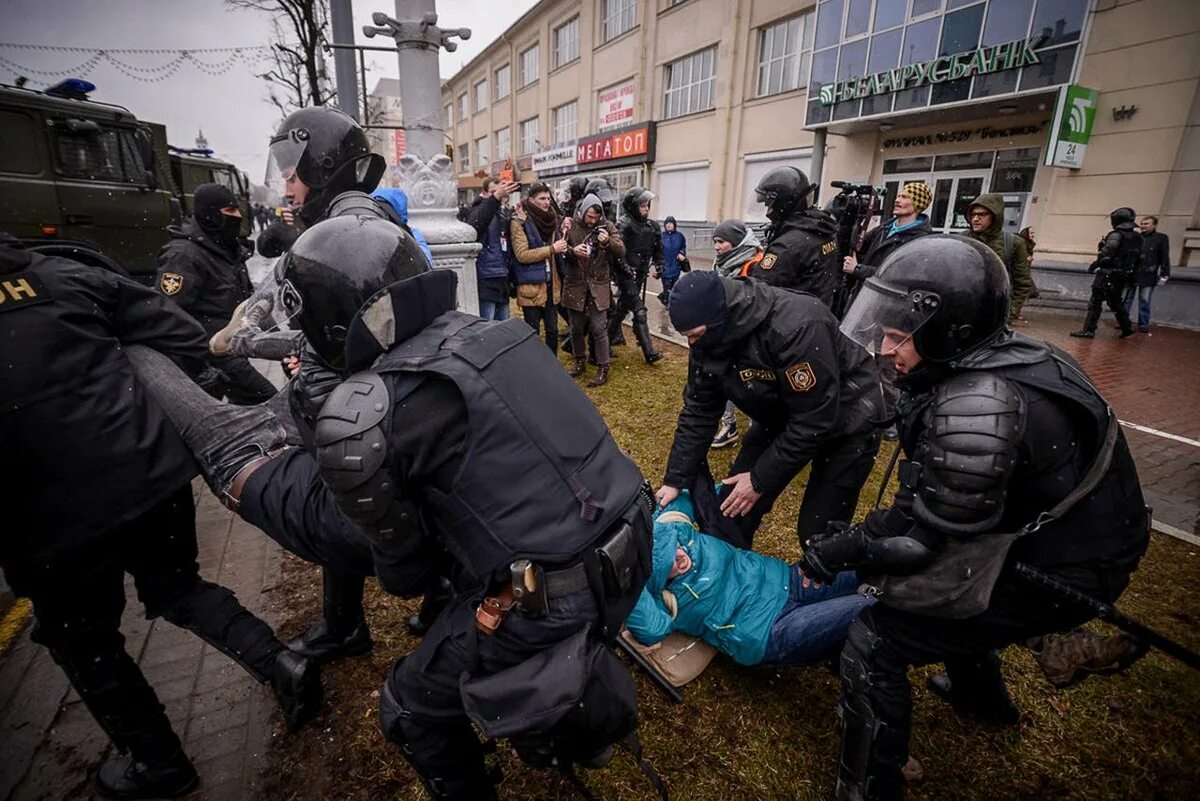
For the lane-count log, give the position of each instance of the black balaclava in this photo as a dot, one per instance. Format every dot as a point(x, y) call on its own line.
point(206, 208)
point(699, 299)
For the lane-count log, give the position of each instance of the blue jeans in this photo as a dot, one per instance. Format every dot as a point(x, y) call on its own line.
point(1144, 294)
point(493, 310)
point(811, 627)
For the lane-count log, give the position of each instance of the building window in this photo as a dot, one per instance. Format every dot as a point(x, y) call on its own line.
point(690, 84)
point(783, 54)
point(619, 16)
point(503, 81)
point(566, 43)
point(529, 66)
point(529, 136)
point(565, 120)
point(481, 96)
point(463, 110)
point(464, 158)
point(683, 193)
point(481, 153)
point(446, 115)
point(503, 144)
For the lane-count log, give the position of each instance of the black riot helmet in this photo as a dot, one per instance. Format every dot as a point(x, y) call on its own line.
point(605, 193)
point(334, 274)
point(1122, 215)
point(783, 190)
point(635, 197)
point(329, 152)
point(950, 294)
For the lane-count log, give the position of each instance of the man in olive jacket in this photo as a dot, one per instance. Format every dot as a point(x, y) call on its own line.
point(586, 293)
point(986, 216)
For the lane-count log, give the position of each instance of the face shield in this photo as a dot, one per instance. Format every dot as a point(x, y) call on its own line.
point(286, 150)
point(883, 317)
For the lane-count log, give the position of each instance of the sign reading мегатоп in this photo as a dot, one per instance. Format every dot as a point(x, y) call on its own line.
point(1006, 56)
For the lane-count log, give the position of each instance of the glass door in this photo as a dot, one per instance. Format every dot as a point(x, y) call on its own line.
point(891, 185)
point(952, 191)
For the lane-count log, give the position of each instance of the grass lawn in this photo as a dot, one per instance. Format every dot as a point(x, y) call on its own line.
point(769, 733)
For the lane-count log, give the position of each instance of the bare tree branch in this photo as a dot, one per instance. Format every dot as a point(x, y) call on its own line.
point(299, 76)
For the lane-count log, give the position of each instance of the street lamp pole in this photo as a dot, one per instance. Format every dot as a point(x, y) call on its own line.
point(342, 21)
point(426, 173)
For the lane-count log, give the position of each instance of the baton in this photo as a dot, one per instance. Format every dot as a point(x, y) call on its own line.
point(646, 665)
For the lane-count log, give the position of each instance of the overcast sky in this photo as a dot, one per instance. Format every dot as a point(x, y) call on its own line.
point(232, 109)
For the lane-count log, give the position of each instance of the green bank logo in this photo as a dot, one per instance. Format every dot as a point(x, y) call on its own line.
point(1006, 56)
point(1074, 114)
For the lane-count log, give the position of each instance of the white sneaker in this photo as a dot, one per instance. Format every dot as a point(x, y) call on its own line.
point(726, 436)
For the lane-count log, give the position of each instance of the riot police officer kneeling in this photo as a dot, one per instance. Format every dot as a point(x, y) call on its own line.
point(426, 437)
point(1012, 456)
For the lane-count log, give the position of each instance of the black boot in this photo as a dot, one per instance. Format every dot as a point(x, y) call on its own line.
point(975, 688)
point(128, 777)
point(436, 599)
point(342, 631)
point(641, 330)
point(296, 682)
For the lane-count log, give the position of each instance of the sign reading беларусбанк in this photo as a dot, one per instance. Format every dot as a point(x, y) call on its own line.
point(1006, 56)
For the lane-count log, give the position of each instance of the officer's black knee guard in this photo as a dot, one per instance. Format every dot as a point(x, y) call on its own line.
point(446, 754)
point(874, 745)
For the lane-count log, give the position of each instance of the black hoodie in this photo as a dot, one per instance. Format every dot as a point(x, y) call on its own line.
point(782, 361)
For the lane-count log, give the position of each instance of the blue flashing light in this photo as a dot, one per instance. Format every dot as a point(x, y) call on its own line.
point(76, 88)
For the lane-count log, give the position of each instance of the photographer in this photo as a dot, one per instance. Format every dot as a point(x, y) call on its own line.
point(907, 224)
point(591, 240)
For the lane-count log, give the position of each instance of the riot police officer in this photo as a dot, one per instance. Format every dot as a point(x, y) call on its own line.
point(1012, 454)
point(800, 248)
point(1115, 268)
point(203, 269)
point(63, 330)
point(643, 250)
point(812, 395)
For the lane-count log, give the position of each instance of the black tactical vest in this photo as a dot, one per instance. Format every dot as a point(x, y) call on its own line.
point(542, 478)
point(1129, 255)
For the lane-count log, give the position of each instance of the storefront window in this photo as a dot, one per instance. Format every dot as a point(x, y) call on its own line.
point(1055, 68)
point(960, 33)
point(920, 43)
point(909, 164)
point(859, 17)
point(1060, 20)
point(1015, 170)
point(889, 13)
point(885, 55)
point(829, 23)
point(964, 161)
point(853, 63)
point(824, 68)
point(1006, 21)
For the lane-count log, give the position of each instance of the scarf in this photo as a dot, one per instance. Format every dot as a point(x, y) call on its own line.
point(546, 222)
point(730, 262)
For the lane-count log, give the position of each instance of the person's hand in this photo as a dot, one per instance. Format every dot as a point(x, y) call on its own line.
point(566, 224)
point(559, 246)
point(666, 494)
point(289, 217)
point(743, 497)
point(602, 236)
point(505, 188)
point(680, 257)
point(291, 365)
point(581, 250)
point(849, 263)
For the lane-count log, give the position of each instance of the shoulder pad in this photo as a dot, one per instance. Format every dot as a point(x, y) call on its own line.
point(355, 203)
point(356, 405)
point(976, 421)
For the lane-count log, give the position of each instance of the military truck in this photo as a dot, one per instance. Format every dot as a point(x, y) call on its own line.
point(191, 167)
point(90, 181)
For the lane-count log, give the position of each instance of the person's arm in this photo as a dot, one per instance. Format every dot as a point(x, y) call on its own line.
point(615, 246)
point(656, 250)
point(1164, 252)
point(1022, 277)
point(1109, 247)
point(276, 239)
point(703, 405)
point(649, 622)
point(808, 377)
point(481, 216)
point(179, 276)
point(520, 243)
point(141, 316)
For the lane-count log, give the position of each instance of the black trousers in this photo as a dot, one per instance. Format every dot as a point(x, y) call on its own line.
point(241, 383)
point(78, 598)
point(1111, 291)
point(544, 317)
point(883, 642)
point(838, 473)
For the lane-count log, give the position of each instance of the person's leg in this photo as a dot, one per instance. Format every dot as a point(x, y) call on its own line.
point(596, 322)
point(1095, 302)
point(550, 321)
point(1113, 299)
point(501, 311)
point(532, 316)
point(1145, 296)
point(245, 385)
point(487, 309)
point(811, 627)
point(838, 473)
point(579, 329)
point(1130, 294)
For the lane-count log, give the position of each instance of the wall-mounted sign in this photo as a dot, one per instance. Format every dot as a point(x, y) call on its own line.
point(617, 146)
point(964, 135)
point(615, 105)
point(1072, 127)
point(554, 159)
point(1006, 56)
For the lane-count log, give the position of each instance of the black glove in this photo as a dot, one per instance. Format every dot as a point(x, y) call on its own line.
point(310, 388)
point(841, 547)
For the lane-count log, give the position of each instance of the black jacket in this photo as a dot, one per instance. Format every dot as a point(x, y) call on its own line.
point(877, 246)
point(204, 278)
point(801, 253)
point(643, 246)
point(1156, 259)
point(783, 362)
point(85, 448)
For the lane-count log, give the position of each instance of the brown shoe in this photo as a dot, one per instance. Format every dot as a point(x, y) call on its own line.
point(577, 368)
point(601, 377)
point(1069, 658)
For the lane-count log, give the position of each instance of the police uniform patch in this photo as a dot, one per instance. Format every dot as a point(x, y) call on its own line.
point(21, 290)
point(750, 374)
point(171, 283)
point(801, 377)
point(768, 261)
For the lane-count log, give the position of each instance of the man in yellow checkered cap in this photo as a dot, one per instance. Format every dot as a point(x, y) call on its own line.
point(907, 223)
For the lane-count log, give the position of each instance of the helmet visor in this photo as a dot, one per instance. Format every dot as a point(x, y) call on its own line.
point(883, 317)
point(286, 151)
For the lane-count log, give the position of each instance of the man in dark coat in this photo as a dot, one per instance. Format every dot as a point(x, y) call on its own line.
point(1116, 266)
point(203, 269)
point(800, 246)
point(1012, 454)
point(1154, 272)
point(812, 395)
point(104, 489)
point(643, 250)
point(490, 217)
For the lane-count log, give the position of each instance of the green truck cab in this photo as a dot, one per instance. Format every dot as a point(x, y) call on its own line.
point(90, 181)
point(195, 166)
